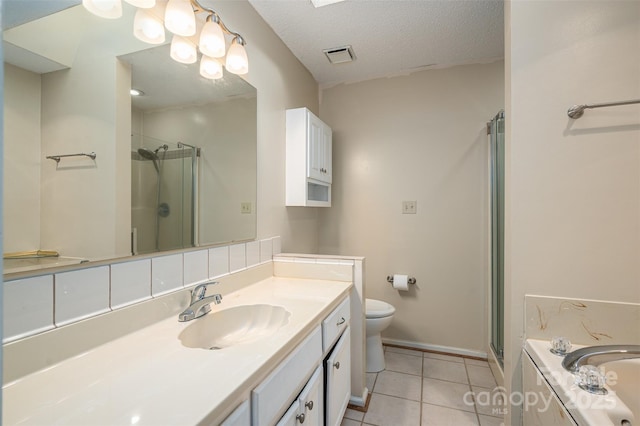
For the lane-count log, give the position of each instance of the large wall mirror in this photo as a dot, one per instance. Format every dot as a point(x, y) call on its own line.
point(173, 168)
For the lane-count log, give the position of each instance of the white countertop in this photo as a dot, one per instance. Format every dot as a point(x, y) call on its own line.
point(150, 378)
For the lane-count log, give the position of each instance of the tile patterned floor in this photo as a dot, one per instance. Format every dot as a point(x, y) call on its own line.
point(426, 389)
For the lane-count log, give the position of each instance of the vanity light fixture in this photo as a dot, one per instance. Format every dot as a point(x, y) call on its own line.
point(179, 17)
point(136, 92)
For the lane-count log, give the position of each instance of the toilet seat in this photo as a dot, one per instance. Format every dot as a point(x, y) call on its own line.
point(378, 309)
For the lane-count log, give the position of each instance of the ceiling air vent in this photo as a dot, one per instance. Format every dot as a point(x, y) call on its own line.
point(339, 55)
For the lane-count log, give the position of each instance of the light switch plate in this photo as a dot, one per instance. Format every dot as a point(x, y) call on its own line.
point(409, 207)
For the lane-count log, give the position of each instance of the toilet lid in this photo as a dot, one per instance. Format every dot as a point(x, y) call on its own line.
point(378, 309)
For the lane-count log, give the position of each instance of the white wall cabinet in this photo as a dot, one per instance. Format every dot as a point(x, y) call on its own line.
point(338, 380)
point(308, 160)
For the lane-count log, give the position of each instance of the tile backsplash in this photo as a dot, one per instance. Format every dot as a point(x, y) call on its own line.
point(584, 322)
point(37, 304)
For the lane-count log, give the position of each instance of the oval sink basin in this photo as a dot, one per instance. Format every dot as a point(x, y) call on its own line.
point(234, 326)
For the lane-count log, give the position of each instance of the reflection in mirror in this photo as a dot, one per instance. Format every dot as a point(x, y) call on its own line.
point(67, 82)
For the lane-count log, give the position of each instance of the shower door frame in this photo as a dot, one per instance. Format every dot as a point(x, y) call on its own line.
point(497, 176)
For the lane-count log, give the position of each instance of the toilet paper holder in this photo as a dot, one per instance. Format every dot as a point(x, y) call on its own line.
point(410, 280)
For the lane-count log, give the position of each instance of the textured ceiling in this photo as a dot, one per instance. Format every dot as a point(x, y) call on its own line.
point(388, 36)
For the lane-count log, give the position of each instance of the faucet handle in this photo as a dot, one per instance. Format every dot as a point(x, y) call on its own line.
point(200, 290)
point(591, 379)
point(560, 346)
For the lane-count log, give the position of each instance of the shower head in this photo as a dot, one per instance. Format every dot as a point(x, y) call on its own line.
point(150, 155)
point(164, 147)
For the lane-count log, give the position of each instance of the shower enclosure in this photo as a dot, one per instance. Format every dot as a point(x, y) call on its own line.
point(164, 185)
point(495, 129)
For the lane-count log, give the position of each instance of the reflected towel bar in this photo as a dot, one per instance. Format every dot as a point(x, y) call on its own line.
point(576, 111)
point(57, 158)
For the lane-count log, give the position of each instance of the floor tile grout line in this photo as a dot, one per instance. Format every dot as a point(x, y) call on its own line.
point(475, 406)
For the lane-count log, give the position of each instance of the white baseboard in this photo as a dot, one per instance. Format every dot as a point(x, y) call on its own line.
point(437, 348)
point(359, 401)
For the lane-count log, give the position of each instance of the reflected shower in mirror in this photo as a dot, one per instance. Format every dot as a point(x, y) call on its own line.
point(68, 76)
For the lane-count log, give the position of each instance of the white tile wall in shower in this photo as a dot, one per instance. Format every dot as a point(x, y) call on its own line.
point(253, 253)
point(218, 261)
point(166, 274)
point(130, 282)
point(196, 267)
point(266, 250)
point(277, 245)
point(27, 307)
point(237, 257)
point(81, 294)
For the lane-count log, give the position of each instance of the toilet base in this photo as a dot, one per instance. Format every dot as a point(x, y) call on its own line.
point(375, 354)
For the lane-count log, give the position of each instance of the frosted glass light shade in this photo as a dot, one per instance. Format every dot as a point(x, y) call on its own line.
point(237, 61)
point(212, 41)
point(148, 28)
point(179, 18)
point(210, 68)
point(145, 4)
point(110, 9)
point(183, 50)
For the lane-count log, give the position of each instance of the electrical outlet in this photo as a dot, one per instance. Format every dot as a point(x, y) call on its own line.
point(409, 207)
point(245, 208)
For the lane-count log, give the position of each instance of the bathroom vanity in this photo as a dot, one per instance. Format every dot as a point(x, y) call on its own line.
point(155, 376)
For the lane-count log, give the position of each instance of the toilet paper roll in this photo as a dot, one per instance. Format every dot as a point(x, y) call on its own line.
point(401, 282)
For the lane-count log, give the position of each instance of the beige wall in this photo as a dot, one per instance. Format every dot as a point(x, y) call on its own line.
point(282, 82)
point(418, 137)
point(21, 179)
point(573, 186)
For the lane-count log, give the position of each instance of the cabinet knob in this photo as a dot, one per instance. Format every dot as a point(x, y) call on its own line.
point(337, 365)
point(342, 320)
point(309, 405)
point(300, 418)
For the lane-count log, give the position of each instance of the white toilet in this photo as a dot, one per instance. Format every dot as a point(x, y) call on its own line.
point(379, 315)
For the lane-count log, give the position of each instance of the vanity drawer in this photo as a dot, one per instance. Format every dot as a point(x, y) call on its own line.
point(335, 323)
point(270, 399)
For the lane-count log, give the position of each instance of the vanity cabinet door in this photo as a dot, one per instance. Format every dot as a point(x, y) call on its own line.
point(291, 417)
point(307, 408)
point(270, 399)
point(241, 416)
point(311, 399)
point(338, 380)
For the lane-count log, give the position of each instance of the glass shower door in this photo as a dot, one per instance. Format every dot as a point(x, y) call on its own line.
point(497, 235)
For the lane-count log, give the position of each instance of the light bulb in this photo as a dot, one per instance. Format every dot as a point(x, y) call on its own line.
point(110, 9)
point(212, 41)
point(237, 61)
point(183, 50)
point(179, 18)
point(210, 68)
point(148, 28)
point(144, 4)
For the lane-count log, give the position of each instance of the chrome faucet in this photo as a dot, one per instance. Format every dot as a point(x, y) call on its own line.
point(199, 305)
point(596, 355)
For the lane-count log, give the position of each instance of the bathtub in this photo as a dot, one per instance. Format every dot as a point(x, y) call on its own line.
point(619, 407)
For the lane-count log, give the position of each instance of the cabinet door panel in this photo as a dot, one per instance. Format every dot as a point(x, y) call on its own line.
point(270, 399)
point(311, 399)
point(241, 416)
point(315, 149)
point(290, 418)
point(338, 373)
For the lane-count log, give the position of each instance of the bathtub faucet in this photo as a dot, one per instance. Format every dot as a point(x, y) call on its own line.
point(596, 355)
